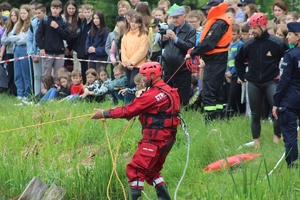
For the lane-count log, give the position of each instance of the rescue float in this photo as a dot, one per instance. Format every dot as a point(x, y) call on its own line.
point(230, 162)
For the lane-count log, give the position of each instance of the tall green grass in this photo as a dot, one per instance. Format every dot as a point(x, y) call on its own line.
point(54, 153)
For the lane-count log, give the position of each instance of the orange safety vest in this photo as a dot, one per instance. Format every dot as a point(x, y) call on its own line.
point(223, 44)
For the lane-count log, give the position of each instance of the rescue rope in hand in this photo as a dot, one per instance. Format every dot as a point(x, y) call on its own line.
point(193, 63)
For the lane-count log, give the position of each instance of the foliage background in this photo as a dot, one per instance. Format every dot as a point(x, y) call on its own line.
point(110, 9)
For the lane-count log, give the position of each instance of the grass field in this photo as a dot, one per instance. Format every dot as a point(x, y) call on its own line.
point(55, 150)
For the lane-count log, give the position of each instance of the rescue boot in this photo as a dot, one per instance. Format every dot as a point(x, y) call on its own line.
point(135, 193)
point(162, 192)
point(210, 116)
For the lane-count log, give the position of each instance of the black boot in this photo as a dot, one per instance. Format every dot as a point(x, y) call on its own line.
point(162, 192)
point(135, 193)
point(210, 116)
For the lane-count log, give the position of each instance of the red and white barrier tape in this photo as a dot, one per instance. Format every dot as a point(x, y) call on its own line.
point(54, 57)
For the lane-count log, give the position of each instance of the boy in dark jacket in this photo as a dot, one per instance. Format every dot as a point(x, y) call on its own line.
point(85, 28)
point(51, 32)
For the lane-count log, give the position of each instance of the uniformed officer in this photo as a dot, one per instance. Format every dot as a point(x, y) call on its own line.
point(287, 97)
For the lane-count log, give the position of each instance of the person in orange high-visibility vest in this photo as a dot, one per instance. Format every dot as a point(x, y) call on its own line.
point(213, 48)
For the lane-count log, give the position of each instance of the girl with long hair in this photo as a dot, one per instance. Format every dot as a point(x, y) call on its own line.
point(134, 48)
point(22, 72)
point(9, 48)
point(96, 39)
point(71, 15)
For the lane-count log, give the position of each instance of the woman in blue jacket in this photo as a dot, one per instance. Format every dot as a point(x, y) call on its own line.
point(95, 42)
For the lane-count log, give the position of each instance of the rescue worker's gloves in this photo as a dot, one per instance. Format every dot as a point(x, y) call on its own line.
point(99, 114)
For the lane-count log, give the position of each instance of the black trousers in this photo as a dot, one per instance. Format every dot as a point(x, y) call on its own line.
point(212, 86)
point(182, 81)
point(257, 92)
point(234, 97)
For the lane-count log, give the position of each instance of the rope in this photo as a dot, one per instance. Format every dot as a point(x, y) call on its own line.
point(114, 158)
point(45, 123)
point(279, 161)
point(185, 129)
point(193, 63)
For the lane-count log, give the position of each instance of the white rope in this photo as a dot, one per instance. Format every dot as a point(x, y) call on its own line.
point(279, 161)
point(185, 129)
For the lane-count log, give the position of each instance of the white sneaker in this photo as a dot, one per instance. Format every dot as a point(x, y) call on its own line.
point(19, 97)
point(28, 103)
point(19, 104)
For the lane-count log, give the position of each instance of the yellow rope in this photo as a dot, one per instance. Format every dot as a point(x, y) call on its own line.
point(114, 158)
point(45, 123)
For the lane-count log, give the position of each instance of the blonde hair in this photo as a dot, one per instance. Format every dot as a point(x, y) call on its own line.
point(75, 73)
point(24, 25)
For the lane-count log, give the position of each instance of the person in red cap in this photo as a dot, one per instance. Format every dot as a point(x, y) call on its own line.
point(263, 53)
point(158, 110)
point(286, 99)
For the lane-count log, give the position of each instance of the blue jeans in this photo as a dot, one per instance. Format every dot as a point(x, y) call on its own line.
point(126, 97)
point(51, 94)
point(22, 75)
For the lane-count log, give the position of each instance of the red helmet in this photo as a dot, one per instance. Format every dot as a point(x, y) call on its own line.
point(151, 67)
point(258, 19)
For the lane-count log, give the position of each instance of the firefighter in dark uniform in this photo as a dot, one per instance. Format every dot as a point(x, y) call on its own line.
point(213, 48)
point(158, 109)
point(287, 97)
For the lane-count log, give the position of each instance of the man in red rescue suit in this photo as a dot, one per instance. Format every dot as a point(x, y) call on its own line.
point(158, 109)
point(213, 48)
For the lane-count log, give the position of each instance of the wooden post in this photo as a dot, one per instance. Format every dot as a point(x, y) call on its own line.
point(35, 190)
point(55, 192)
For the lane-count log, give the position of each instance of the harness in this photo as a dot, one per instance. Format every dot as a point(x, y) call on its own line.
point(167, 118)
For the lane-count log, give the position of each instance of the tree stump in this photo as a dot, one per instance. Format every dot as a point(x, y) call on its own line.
point(55, 192)
point(35, 190)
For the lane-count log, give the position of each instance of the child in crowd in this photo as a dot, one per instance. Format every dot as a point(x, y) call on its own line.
point(195, 94)
point(128, 16)
point(271, 28)
point(120, 82)
point(50, 34)
point(233, 88)
point(282, 32)
point(138, 89)
point(292, 17)
point(91, 89)
point(84, 30)
point(230, 12)
point(71, 15)
point(165, 4)
point(76, 88)
point(80, 14)
point(54, 90)
point(21, 67)
point(9, 48)
point(115, 48)
point(134, 48)
point(156, 46)
point(161, 14)
point(32, 50)
point(245, 32)
point(96, 39)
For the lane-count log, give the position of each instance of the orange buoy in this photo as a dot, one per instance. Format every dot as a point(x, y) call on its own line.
point(231, 161)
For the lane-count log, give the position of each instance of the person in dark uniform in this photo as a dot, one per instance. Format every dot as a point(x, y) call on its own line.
point(213, 48)
point(287, 97)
